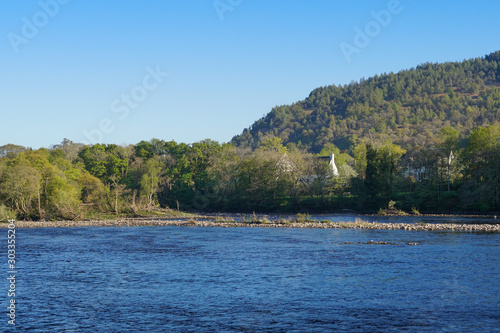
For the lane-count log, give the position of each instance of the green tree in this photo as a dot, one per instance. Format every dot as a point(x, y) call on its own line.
point(272, 144)
point(143, 149)
point(258, 182)
point(20, 186)
point(63, 197)
point(449, 143)
point(223, 173)
point(150, 179)
point(481, 161)
point(11, 150)
point(381, 170)
point(449, 139)
point(105, 161)
point(360, 162)
point(93, 192)
point(60, 191)
point(94, 158)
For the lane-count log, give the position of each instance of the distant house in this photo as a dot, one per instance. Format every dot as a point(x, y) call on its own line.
point(333, 166)
point(418, 173)
point(286, 165)
point(331, 163)
point(419, 168)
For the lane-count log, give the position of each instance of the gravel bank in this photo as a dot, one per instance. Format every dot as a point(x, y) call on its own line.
point(276, 224)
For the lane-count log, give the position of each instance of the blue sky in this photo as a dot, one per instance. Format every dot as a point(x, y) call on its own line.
point(85, 70)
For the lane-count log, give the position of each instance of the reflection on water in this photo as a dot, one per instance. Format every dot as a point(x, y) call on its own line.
point(193, 279)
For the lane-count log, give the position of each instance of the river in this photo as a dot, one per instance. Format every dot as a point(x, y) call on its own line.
point(211, 279)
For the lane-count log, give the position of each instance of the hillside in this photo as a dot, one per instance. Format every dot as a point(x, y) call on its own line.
point(409, 107)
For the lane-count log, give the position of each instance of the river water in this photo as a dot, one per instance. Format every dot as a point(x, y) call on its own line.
point(196, 279)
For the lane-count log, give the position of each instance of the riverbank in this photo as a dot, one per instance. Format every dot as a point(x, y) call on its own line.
point(210, 222)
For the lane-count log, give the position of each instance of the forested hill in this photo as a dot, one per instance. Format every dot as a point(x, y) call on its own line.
point(409, 107)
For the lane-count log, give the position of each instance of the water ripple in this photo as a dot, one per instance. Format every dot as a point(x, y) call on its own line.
point(175, 279)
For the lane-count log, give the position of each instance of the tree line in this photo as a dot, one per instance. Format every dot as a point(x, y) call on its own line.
point(72, 181)
point(409, 107)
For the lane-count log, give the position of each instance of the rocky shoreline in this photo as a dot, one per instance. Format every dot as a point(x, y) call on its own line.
point(204, 222)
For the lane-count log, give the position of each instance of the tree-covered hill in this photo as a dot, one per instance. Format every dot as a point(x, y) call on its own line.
point(409, 107)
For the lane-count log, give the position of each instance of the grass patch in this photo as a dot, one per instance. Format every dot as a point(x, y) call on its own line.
point(302, 218)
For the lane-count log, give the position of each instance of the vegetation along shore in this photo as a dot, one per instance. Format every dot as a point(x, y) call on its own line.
point(426, 139)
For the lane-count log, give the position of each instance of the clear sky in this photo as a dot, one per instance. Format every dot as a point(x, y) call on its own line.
point(97, 70)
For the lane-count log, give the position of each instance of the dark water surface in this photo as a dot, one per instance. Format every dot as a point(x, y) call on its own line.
point(194, 279)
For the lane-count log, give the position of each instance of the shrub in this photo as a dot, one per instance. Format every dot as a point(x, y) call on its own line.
point(302, 218)
point(382, 212)
point(6, 214)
